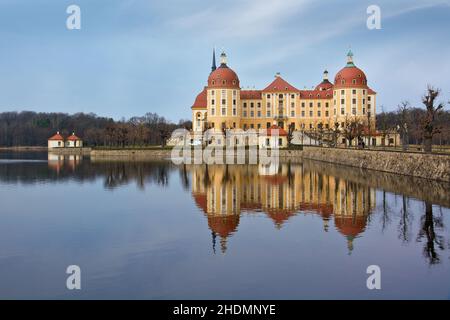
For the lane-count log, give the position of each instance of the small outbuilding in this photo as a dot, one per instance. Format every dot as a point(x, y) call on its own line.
point(56, 141)
point(273, 137)
point(74, 142)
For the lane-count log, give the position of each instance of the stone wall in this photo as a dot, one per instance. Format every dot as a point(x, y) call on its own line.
point(70, 151)
point(129, 154)
point(429, 166)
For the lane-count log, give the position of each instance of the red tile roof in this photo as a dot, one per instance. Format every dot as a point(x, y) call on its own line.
point(73, 137)
point(223, 77)
point(316, 94)
point(274, 130)
point(348, 75)
point(279, 85)
point(57, 137)
point(251, 94)
point(201, 100)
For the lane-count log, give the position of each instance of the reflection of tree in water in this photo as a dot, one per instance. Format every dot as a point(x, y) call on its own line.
point(123, 173)
point(429, 225)
point(404, 227)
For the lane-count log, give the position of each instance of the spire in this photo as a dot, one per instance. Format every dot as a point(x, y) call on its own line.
point(350, 59)
point(325, 75)
point(213, 67)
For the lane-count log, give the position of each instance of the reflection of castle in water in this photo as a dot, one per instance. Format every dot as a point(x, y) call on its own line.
point(224, 192)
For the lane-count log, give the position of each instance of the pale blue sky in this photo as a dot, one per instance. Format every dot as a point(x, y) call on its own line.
point(138, 56)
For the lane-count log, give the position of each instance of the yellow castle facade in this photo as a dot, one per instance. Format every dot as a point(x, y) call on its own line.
point(222, 104)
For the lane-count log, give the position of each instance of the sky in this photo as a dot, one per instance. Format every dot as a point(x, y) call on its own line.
point(131, 57)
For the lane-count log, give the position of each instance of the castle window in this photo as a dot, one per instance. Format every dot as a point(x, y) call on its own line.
point(224, 111)
point(259, 114)
point(342, 101)
point(259, 104)
point(353, 110)
point(234, 93)
point(353, 101)
point(293, 96)
point(354, 81)
point(364, 101)
point(244, 114)
point(369, 98)
point(292, 104)
point(310, 104)
point(354, 91)
point(303, 113)
point(252, 113)
point(213, 111)
point(224, 101)
point(303, 104)
point(342, 81)
point(319, 114)
point(327, 113)
point(234, 102)
point(342, 111)
point(292, 113)
point(268, 113)
point(327, 104)
point(268, 96)
point(259, 125)
point(234, 82)
point(268, 105)
point(234, 111)
point(318, 104)
point(252, 105)
point(268, 125)
point(364, 110)
point(213, 83)
point(318, 95)
point(311, 113)
point(245, 104)
point(342, 92)
point(224, 82)
point(213, 102)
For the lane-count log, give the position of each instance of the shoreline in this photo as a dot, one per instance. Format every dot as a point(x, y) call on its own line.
point(428, 166)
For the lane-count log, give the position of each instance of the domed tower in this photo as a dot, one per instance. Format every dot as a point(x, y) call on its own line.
point(223, 97)
point(351, 94)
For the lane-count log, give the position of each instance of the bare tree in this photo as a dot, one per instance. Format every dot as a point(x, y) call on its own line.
point(429, 126)
point(403, 123)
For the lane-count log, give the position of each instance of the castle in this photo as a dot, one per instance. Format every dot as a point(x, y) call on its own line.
point(222, 104)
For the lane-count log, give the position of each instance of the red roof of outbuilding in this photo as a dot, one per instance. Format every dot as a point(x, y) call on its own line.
point(274, 130)
point(73, 137)
point(56, 137)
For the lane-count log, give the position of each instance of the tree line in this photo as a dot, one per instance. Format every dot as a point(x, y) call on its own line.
point(30, 128)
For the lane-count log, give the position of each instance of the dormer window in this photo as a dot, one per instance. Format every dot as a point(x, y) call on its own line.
point(342, 81)
point(354, 81)
point(213, 83)
point(224, 82)
point(234, 82)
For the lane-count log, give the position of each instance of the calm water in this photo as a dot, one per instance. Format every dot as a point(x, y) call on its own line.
point(156, 231)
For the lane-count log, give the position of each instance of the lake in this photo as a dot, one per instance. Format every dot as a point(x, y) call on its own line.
point(154, 230)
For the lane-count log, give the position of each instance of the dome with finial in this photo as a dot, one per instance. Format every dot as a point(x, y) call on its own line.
point(223, 76)
point(350, 76)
